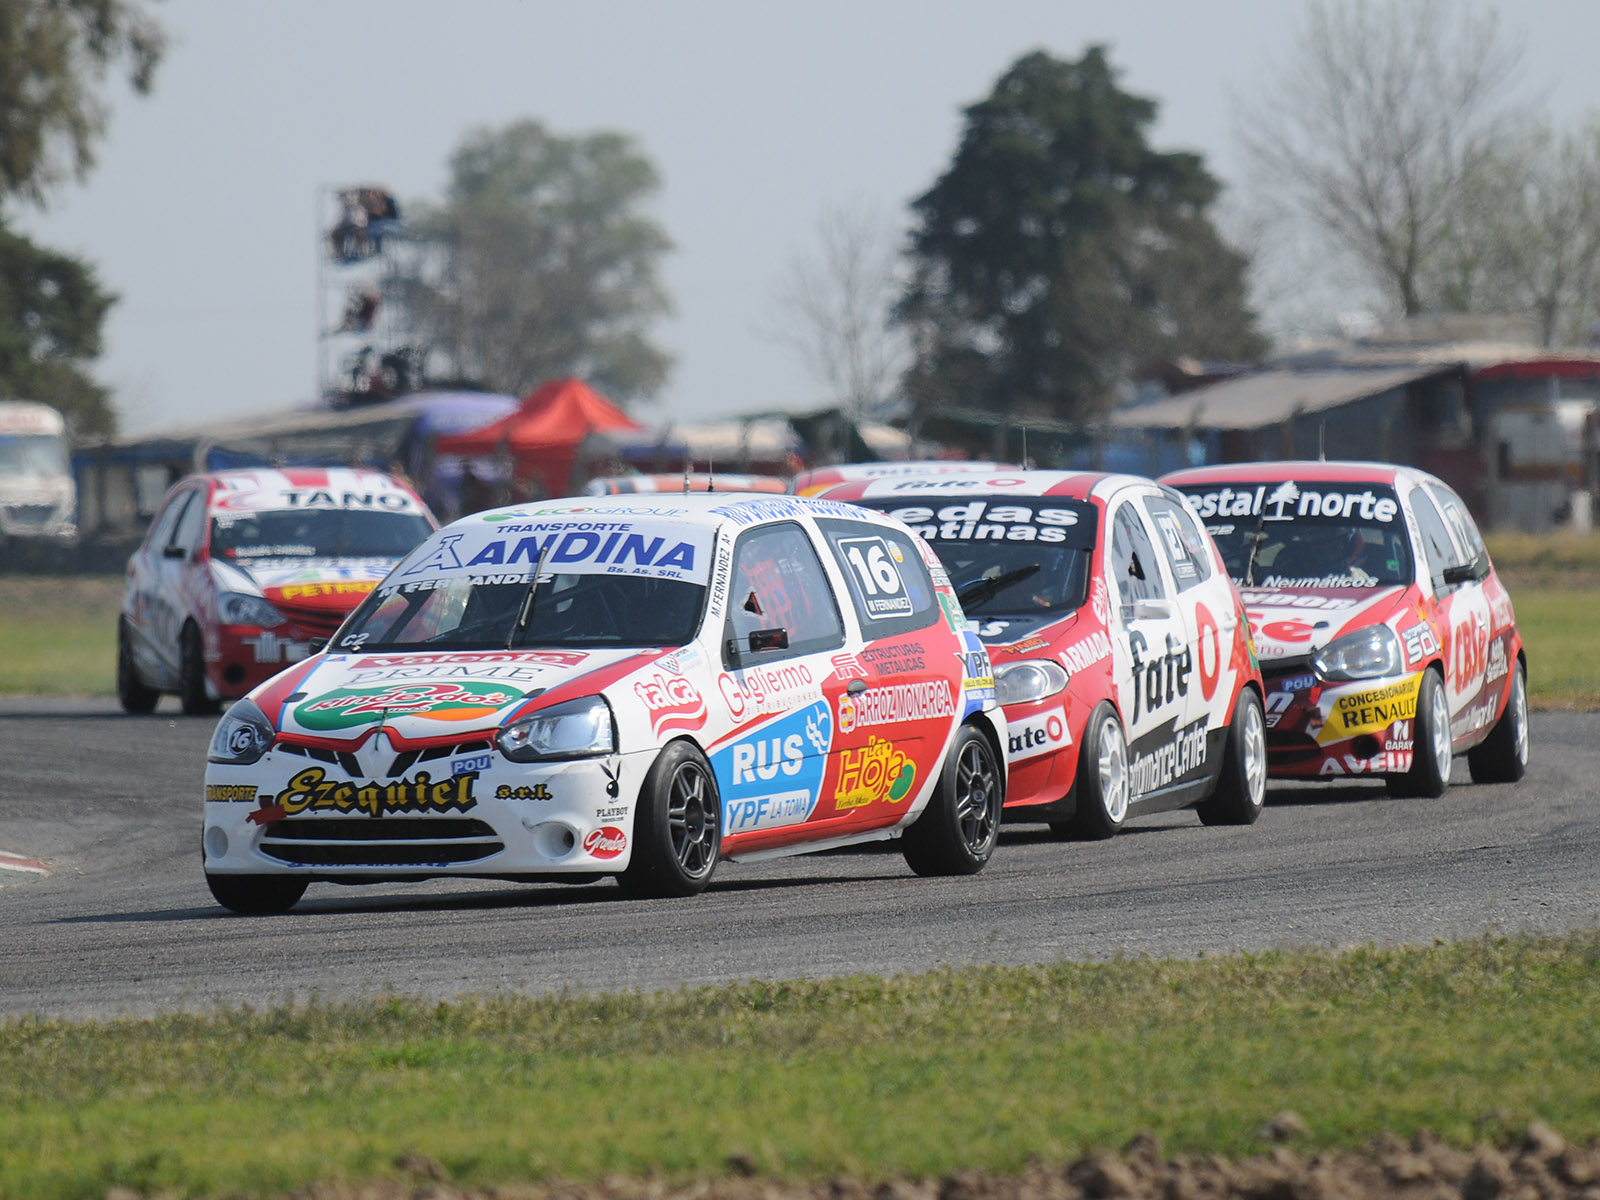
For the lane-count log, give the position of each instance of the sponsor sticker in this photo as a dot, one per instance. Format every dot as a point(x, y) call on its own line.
point(605, 842)
point(312, 791)
point(891, 705)
point(1288, 500)
point(673, 701)
point(1038, 735)
point(668, 551)
point(773, 777)
point(230, 793)
point(1372, 710)
point(1183, 753)
point(875, 772)
point(343, 708)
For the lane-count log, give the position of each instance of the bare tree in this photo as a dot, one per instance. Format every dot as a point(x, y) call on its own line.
point(1379, 115)
point(1525, 235)
point(833, 309)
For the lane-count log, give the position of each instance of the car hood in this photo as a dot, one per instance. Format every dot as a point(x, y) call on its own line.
point(343, 697)
point(1292, 622)
point(332, 584)
point(1015, 635)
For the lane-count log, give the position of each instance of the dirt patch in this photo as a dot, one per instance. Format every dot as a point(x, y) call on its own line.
point(1538, 1165)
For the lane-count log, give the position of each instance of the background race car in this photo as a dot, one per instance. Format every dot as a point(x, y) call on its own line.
point(1119, 645)
point(624, 685)
point(1387, 642)
point(241, 569)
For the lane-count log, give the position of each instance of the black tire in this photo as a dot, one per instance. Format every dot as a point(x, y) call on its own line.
point(1242, 784)
point(255, 895)
point(1502, 757)
point(132, 693)
point(677, 828)
point(192, 675)
point(957, 832)
point(1431, 755)
point(1104, 786)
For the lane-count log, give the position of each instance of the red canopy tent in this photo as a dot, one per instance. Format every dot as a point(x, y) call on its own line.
point(542, 436)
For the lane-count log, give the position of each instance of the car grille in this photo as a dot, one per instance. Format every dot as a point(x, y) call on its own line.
point(316, 621)
point(379, 842)
point(341, 758)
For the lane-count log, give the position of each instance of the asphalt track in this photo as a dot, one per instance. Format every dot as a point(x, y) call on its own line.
point(123, 923)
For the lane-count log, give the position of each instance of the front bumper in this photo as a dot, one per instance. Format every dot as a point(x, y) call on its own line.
point(1321, 730)
point(467, 811)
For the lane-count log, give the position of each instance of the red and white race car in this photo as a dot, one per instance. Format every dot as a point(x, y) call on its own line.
point(636, 686)
point(1119, 645)
point(240, 570)
point(815, 481)
point(1387, 642)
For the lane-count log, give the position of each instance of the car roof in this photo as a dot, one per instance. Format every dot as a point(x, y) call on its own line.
point(264, 489)
point(696, 508)
point(1075, 485)
point(1299, 470)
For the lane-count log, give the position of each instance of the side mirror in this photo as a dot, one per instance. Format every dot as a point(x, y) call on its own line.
point(317, 645)
point(1454, 576)
point(172, 552)
point(768, 639)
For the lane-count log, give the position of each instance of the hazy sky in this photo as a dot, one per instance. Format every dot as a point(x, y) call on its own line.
point(205, 214)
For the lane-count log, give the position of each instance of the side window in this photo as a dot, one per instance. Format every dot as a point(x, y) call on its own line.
point(1466, 530)
point(1437, 547)
point(1135, 568)
point(889, 583)
point(167, 520)
point(191, 524)
point(1185, 543)
point(779, 583)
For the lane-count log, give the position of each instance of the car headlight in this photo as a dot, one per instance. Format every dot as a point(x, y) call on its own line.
point(577, 729)
point(243, 735)
point(1365, 654)
point(1028, 680)
point(237, 608)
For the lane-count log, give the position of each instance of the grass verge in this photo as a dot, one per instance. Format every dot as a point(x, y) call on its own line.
point(58, 636)
point(985, 1068)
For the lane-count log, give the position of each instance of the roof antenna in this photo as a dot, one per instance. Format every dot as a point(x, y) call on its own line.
point(711, 477)
point(1322, 429)
point(688, 461)
point(1024, 447)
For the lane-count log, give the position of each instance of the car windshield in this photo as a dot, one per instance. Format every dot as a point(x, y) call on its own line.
point(1318, 535)
point(500, 611)
point(1010, 555)
point(33, 454)
point(315, 533)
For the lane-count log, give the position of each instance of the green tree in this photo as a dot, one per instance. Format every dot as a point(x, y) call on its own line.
point(54, 57)
point(1059, 251)
point(539, 263)
point(51, 309)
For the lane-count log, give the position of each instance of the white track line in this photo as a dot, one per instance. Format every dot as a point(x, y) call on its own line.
point(15, 862)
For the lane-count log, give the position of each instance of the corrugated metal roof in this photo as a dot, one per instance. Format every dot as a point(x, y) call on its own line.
point(1268, 397)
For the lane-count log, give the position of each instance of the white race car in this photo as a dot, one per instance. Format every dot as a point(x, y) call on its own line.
point(619, 685)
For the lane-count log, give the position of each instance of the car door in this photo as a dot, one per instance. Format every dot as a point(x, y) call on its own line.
point(1205, 605)
point(1481, 655)
point(1456, 576)
point(157, 585)
point(782, 629)
point(899, 694)
point(1153, 662)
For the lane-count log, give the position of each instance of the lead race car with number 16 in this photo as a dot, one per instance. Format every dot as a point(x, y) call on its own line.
point(620, 685)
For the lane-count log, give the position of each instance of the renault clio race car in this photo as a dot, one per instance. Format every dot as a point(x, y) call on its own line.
point(1119, 645)
point(619, 685)
point(241, 569)
point(1387, 642)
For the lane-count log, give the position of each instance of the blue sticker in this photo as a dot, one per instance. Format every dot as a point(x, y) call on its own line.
point(478, 762)
point(772, 777)
point(1294, 683)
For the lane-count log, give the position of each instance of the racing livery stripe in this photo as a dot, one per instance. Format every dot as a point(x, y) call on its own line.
point(272, 697)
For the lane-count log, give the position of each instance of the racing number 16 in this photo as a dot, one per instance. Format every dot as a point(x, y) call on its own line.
point(874, 568)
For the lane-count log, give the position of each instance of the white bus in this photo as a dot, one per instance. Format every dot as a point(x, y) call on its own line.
point(37, 496)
